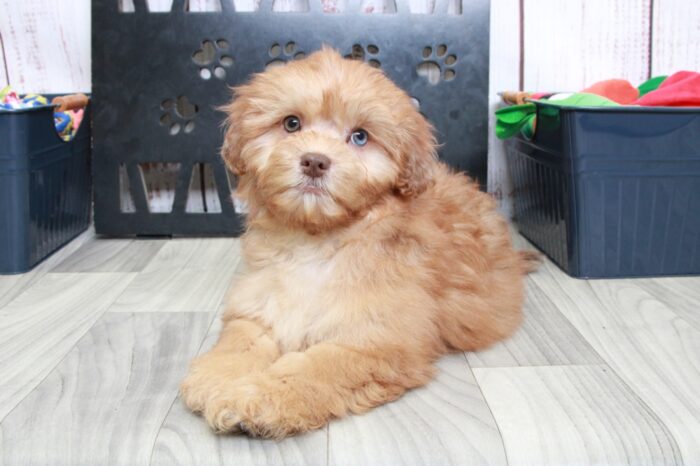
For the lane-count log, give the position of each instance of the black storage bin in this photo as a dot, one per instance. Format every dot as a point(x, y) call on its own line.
point(159, 77)
point(45, 186)
point(612, 191)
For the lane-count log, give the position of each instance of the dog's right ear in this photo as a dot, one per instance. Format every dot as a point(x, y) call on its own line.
point(231, 149)
point(419, 156)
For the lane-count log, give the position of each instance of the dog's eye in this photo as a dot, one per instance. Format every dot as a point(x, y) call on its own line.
point(359, 137)
point(292, 124)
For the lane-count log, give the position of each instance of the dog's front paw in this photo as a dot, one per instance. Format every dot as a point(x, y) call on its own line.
point(209, 375)
point(231, 411)
point(262, 407)
point(195, 390)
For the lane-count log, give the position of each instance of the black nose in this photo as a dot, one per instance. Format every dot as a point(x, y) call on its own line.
point(315, 165)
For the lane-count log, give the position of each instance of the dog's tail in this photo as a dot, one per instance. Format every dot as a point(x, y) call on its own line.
point(530, 260)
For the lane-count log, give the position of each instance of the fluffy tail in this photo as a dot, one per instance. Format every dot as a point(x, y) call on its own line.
point(530, 260)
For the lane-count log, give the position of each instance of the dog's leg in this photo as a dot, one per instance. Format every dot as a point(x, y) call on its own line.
point(303, 391)
point(244, 347)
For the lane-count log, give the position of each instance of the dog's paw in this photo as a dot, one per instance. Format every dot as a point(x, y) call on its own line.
point(209, 375)
point(195, 390)
point(245, 408)
point(261, 407)
point(238, 409)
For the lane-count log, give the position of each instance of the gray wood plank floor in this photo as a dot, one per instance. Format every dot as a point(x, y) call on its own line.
point(94, 342)
point(41, 325)
point(574, 415)
point(105, 401)
point(445, 422)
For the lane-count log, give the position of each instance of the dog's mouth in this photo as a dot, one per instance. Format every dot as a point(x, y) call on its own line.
point(312, 190)
point(312, 186)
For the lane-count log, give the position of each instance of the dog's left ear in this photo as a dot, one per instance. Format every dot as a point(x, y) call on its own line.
point(231, 150)
point(418, 157)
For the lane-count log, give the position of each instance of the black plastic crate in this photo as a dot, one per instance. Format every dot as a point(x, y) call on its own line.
point(45, 187)
point(158, 79)
point(613, 191)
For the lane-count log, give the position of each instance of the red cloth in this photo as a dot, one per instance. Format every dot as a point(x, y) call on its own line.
point(617, 90)
point(681, 89)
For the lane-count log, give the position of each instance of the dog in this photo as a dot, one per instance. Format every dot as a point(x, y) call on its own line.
point(367, 258)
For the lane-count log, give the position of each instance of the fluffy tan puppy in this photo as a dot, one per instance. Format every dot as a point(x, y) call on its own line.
point(367, 257)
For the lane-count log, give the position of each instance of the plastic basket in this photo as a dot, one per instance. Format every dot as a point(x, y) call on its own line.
point(611, 192)
point(45, 187)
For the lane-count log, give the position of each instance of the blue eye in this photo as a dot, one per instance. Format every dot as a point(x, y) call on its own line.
point(292, 124)
point(359, 137)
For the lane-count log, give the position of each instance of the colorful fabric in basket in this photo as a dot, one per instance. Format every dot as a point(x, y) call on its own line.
point(521, 118)
point(650, 85)
point(67, 123)
point(617, 90)
point(681, 89)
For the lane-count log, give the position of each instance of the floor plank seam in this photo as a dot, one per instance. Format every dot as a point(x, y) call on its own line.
point(495, 421)
point(597, 301)
point(116, 303)
point(651, 412)
point(536, 366)
point(644, 405)
point(177, 393)
point(89, 272)
point(160, 428)
point(566, 319)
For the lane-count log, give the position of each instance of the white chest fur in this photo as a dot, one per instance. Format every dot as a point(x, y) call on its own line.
point(296, 296)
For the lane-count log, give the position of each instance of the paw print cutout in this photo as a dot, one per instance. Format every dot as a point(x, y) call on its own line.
point(213, 59)
point(178, 115)
point(368, 54)
point(437, 64)
point(282, 54)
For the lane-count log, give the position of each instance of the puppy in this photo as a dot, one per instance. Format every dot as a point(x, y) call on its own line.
point(367, 257)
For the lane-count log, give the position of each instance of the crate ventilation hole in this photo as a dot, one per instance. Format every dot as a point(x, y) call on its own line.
point(359, 52)
point(158, 181)
point(437, 64)
point(213, 59)
point(281, 55)
point(178, 114)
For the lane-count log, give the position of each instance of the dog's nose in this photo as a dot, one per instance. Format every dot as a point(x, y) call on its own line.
point(315, 165)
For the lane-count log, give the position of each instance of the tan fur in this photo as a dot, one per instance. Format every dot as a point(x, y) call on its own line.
point(350, 295)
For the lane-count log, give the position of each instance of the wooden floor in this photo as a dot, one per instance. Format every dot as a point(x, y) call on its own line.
point(94, 342)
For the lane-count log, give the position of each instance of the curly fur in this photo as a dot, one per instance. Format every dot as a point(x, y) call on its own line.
point(356, 282)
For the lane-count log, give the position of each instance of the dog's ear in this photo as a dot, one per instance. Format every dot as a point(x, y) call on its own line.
point(418, 157)
point(231, 149)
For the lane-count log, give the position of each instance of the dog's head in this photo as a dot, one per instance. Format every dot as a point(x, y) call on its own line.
point(321, 140)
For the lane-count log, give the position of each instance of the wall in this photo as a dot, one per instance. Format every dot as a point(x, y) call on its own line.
point(535, 45)
point(45, 45)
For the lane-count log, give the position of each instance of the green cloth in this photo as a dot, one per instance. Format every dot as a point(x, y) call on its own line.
point(583, 99)
point(650, 85)
point(509, 120)
point(521, 118)
point(528, 129)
